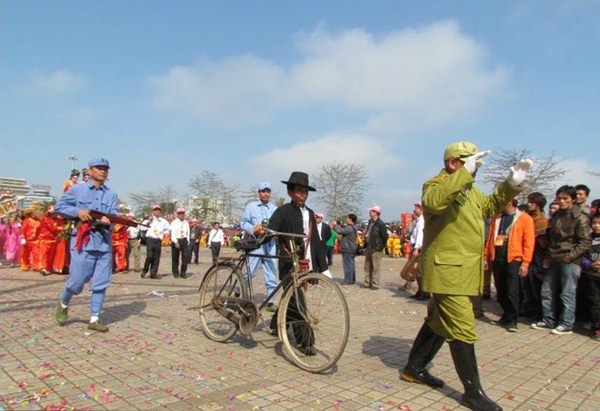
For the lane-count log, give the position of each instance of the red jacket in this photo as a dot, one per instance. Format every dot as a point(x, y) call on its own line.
point(521, 238)
point(30, 229)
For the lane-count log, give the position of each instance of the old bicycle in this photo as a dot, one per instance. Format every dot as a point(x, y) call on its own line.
point(312, 308)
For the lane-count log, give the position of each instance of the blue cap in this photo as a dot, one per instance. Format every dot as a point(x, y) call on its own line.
point(264, 186)
point(98, 162)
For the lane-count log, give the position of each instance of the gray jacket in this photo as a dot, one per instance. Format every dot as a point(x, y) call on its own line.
point(348, 243)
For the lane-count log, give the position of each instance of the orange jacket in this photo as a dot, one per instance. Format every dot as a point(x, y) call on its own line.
point(30, 229)
point(48, 230)
point(521, 238)
point(119, 235)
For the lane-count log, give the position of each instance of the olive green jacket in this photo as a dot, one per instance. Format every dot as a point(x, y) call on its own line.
point(454, 210)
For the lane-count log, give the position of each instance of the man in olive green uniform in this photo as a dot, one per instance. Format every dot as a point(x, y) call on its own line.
point(452, 266)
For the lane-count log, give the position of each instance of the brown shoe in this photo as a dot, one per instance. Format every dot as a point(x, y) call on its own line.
point(97, 326)
point(61, 315)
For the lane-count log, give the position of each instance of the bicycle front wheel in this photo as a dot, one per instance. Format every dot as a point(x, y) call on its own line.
point(221, 281)
point(314, 322)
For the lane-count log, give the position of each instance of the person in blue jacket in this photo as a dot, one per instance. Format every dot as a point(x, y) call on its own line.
point(91, 244)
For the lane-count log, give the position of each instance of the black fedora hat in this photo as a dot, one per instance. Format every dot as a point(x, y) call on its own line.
point(299, 178)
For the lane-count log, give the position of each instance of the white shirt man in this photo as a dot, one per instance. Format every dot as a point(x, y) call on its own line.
point(159, 227)
point(180, 240)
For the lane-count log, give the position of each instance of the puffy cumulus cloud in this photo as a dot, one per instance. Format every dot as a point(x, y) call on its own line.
point(53, 84)
point(239, 90)
point(430, 74)
point(308, 156)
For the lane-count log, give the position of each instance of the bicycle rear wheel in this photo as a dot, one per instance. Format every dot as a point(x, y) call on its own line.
point(216, 313)
point(314, 322)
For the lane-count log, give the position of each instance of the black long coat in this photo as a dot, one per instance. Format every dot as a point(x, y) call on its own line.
point(288, 219)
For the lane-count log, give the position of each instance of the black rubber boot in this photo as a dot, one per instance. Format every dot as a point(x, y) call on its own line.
point(474, 398)
point(426, 345)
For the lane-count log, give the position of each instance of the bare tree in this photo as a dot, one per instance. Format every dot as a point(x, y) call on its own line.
point(165, 197)
point(341, 187)
point(207, 184)
point(542, 177)
point(215, 199)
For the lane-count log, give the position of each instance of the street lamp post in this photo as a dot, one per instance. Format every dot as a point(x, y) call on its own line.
point(73, 160)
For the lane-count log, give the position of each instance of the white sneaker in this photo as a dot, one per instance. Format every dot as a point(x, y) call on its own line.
point(541, 325)
point(561, 330)
point(326, 273)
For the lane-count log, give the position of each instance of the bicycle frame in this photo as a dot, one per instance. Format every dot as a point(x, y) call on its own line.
point(242, 263)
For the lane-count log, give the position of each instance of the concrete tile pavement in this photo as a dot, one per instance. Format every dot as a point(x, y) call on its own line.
point(156, 356)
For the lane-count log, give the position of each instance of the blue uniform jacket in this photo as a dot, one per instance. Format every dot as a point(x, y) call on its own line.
point(86, 196)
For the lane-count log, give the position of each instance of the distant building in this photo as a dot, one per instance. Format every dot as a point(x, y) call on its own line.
point(17, 186)
point(24, 193)
point(208, 209)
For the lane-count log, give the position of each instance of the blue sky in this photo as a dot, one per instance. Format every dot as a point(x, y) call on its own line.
point(253, 90)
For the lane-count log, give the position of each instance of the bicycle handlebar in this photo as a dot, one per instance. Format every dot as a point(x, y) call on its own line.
point(274, 233)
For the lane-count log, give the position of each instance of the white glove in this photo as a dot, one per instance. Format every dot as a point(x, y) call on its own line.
point(518, 172)
point(23, 241)
point(472, 163)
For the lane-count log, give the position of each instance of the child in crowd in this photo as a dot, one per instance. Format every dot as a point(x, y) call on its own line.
point(590, 265)
point(12, 240)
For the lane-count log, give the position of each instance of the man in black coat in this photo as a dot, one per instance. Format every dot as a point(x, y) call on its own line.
point(296, 218)
point(376, 240)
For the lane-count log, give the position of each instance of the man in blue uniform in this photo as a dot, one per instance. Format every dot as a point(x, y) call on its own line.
point(91, 247)
point(255, 213)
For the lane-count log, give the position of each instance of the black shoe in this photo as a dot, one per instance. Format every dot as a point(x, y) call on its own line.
point(155, 278)
point(502, 322)
point(143, 274)
point(421, 377)
point(183, 275)
point(176, 275)
point(417, 295)
point(308, 350)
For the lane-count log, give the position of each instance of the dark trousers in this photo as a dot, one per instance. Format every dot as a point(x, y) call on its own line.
point(594, 294)
point(153, 248)
point(531, 296)
point(329, 255)
point(296, 316)
point(193, 251)
point(506, 278)
point(179, 253)
point(215, 248)
point(349, 263)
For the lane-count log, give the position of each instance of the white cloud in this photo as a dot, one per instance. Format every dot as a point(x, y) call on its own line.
point(238, 90)
point(53, 84)
point(579, 173)
point(310, 155)
point(428, 75)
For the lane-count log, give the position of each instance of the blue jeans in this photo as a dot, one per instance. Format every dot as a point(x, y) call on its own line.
point(268, 265)
point(563, 277)
point(349, 267)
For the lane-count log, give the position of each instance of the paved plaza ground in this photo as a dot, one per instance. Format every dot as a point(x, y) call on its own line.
point(155, 355)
